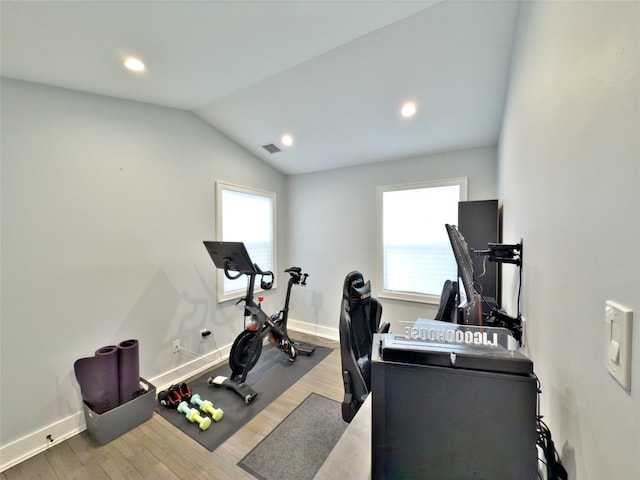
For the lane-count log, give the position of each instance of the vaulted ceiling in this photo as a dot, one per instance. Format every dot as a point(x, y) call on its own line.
point(332, 74)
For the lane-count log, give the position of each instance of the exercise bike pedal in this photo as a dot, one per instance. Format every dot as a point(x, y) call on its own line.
point(304, 348)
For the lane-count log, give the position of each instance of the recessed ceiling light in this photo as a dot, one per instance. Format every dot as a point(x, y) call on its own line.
point(134, 64)
point(287, 140)
point(408, 109)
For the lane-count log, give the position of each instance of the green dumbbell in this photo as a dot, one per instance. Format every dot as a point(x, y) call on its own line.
point(207, 407)
point(193, 416)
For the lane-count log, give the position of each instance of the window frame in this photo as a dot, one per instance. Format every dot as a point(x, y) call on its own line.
point(223, 296)
point(434, 299)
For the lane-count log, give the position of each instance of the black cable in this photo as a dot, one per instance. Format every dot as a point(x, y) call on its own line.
point(484, 267)
point(555, 469)
point(519, 313)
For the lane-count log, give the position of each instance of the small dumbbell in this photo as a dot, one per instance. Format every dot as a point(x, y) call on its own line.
point(193, 416)
point(207, 407)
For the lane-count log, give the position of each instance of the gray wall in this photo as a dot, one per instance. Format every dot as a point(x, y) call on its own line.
point(332, 225)
point(570, 186)
point(105, 204)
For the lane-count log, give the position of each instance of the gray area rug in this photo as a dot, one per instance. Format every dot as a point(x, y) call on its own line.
point(299, 445)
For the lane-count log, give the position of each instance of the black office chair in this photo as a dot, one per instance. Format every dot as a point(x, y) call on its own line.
point(360, 315)
point(447, 308)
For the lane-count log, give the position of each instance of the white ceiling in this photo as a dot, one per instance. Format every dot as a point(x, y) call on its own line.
point(331, 73)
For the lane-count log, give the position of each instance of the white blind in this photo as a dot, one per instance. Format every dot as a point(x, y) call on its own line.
point(416, 253)
point(248, 218)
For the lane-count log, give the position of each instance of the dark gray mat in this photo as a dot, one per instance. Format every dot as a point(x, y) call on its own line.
point(272, 375)
point(299, 445)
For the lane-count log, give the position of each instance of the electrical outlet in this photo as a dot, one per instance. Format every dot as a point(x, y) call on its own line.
point(175, 346)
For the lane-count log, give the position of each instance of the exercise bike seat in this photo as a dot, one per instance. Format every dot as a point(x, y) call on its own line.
point(360, 316)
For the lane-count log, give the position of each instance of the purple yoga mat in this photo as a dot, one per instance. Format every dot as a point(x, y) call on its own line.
point(128, 370)
point(98, 379)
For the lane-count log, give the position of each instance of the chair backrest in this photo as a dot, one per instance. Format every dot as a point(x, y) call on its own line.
point(447, 308)
point(360, 315)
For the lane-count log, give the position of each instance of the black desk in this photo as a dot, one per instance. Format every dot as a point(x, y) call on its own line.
point(471, 415)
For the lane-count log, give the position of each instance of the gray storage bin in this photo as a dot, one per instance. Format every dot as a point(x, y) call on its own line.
point(111, 424)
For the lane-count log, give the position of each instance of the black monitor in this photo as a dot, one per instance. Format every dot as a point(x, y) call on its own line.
point(230, 256)
point(463, 258)
point(471, 312)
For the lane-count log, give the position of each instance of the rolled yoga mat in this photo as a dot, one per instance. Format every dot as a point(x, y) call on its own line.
point(128, 370)
point(98, 379)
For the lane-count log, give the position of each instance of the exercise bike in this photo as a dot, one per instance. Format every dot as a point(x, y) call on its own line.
point(247, 347)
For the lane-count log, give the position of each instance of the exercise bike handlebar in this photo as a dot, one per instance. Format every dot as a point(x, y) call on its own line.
point(231, 277)
point(258, 271)
point(297, 277)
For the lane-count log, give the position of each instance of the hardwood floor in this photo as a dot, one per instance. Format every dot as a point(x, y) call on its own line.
point(158, 450)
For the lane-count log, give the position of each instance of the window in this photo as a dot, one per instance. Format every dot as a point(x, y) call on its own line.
point(415, 256)
point(245, 215)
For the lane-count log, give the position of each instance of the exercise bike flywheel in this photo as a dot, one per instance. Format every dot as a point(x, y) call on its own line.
point(241, 354)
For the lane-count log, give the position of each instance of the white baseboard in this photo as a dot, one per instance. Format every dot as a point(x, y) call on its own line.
point(194, 367)
point(313, 329)
point(34, 443)
point(37, 442)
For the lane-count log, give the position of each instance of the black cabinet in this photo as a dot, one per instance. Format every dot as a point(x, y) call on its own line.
point(475, 419)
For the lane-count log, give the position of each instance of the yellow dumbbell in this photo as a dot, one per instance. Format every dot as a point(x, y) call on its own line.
point(207, 407)
point(193, 416)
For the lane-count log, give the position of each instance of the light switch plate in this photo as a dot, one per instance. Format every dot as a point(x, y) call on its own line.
point(617, 352)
